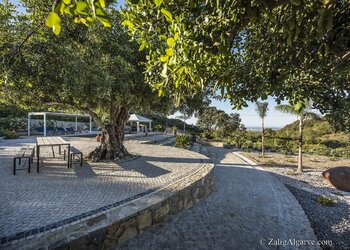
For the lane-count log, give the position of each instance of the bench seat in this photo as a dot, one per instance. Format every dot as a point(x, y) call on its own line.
point(73, 153)
point(26, 152)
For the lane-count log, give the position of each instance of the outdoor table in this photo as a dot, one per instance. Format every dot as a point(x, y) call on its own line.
point(50, 142)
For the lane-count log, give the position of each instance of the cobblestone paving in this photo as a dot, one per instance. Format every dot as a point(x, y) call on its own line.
point(246, 209)
point(31, 200)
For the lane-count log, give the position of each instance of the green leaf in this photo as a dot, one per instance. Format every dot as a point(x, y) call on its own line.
point(52, 20)
point(299, 107)
point(164, 58)
point(170, 41)
point(158, 2)
point(59, 7)
point(326, 2)
point(80, 7)
point(169, 52)
point(105, 21)
point(67, 1)
point(129, 24)
point(158, 85)
point(167, 15)
point(296, 2)
point(142, 47)
point(56, 29)
point(68, 11)
point(160, 92)
point(103, 3)
point(165, 70)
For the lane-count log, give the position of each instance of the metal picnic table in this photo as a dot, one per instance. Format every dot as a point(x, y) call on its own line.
point(50, 141)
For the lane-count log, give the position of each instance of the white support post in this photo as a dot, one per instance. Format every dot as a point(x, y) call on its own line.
point(44, 124)
point(28, 124)
point(150, 126)
point(138, 126)
point(76, 123)
point(90, 125)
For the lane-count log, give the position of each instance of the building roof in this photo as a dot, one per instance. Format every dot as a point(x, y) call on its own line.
point(57, 114)
point(138, 118)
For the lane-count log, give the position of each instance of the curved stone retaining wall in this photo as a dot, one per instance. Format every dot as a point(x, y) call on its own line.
point(115, 225)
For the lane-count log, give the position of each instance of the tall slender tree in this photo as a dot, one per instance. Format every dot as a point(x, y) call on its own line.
point(262, 108)
point(303, 112)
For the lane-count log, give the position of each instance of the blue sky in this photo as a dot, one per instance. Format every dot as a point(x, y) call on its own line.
point(248, 115)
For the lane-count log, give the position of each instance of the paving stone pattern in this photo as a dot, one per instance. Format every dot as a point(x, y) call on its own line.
point(246, 209)
point(33, 200)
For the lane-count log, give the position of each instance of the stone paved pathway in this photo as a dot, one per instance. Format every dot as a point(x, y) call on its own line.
point(33, 200)
point(247, 208)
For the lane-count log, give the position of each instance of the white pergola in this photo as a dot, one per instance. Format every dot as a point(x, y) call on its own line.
point(138, 118)
point(45, 114)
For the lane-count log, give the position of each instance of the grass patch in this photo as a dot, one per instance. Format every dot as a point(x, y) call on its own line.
point(270, 161)
point(325, 201)
point(291, 160)
point(333, 158)
point(314, 160)
point(292, 172)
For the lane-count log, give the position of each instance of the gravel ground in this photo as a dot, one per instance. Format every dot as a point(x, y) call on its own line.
point(329, 223)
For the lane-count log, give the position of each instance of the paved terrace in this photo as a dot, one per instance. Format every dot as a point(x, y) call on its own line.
point(248, 209)
point(31, 201)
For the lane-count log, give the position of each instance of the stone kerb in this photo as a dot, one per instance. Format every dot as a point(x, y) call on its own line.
point(115, 225)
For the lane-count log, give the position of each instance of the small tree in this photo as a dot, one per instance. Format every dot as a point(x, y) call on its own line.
point(302, 110)
point(262, 109)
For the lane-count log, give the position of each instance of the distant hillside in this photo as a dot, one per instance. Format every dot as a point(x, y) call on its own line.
point(315, 131)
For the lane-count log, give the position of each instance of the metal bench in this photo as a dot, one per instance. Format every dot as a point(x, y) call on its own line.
point(74, 152)
point(25, 153)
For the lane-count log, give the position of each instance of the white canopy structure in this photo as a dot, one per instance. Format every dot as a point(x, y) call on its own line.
point(138, 118)
point(45, 114)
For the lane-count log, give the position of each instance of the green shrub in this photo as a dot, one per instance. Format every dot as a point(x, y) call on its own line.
point(333, 143)
point(13, 123)
point(207, 135)
point(292, 172)
point(159, 127)
point(8, 134)
point(325, 201)
point(183, 141)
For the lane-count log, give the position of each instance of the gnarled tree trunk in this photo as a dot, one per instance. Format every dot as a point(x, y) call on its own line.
point(112, 139)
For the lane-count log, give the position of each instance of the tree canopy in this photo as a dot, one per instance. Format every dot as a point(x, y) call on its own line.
point(93, 70)
point(211, 119)
point(249, 49)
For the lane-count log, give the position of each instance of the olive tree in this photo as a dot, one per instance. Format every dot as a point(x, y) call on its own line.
point(93, 70)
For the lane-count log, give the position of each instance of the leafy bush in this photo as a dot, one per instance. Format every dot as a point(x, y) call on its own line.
point(292, 172)
point(207, 135)
point(333, 143)
point(325, 201)
point(183, 141)
point(159, 127)
point(13, 123)
point(8, 134)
